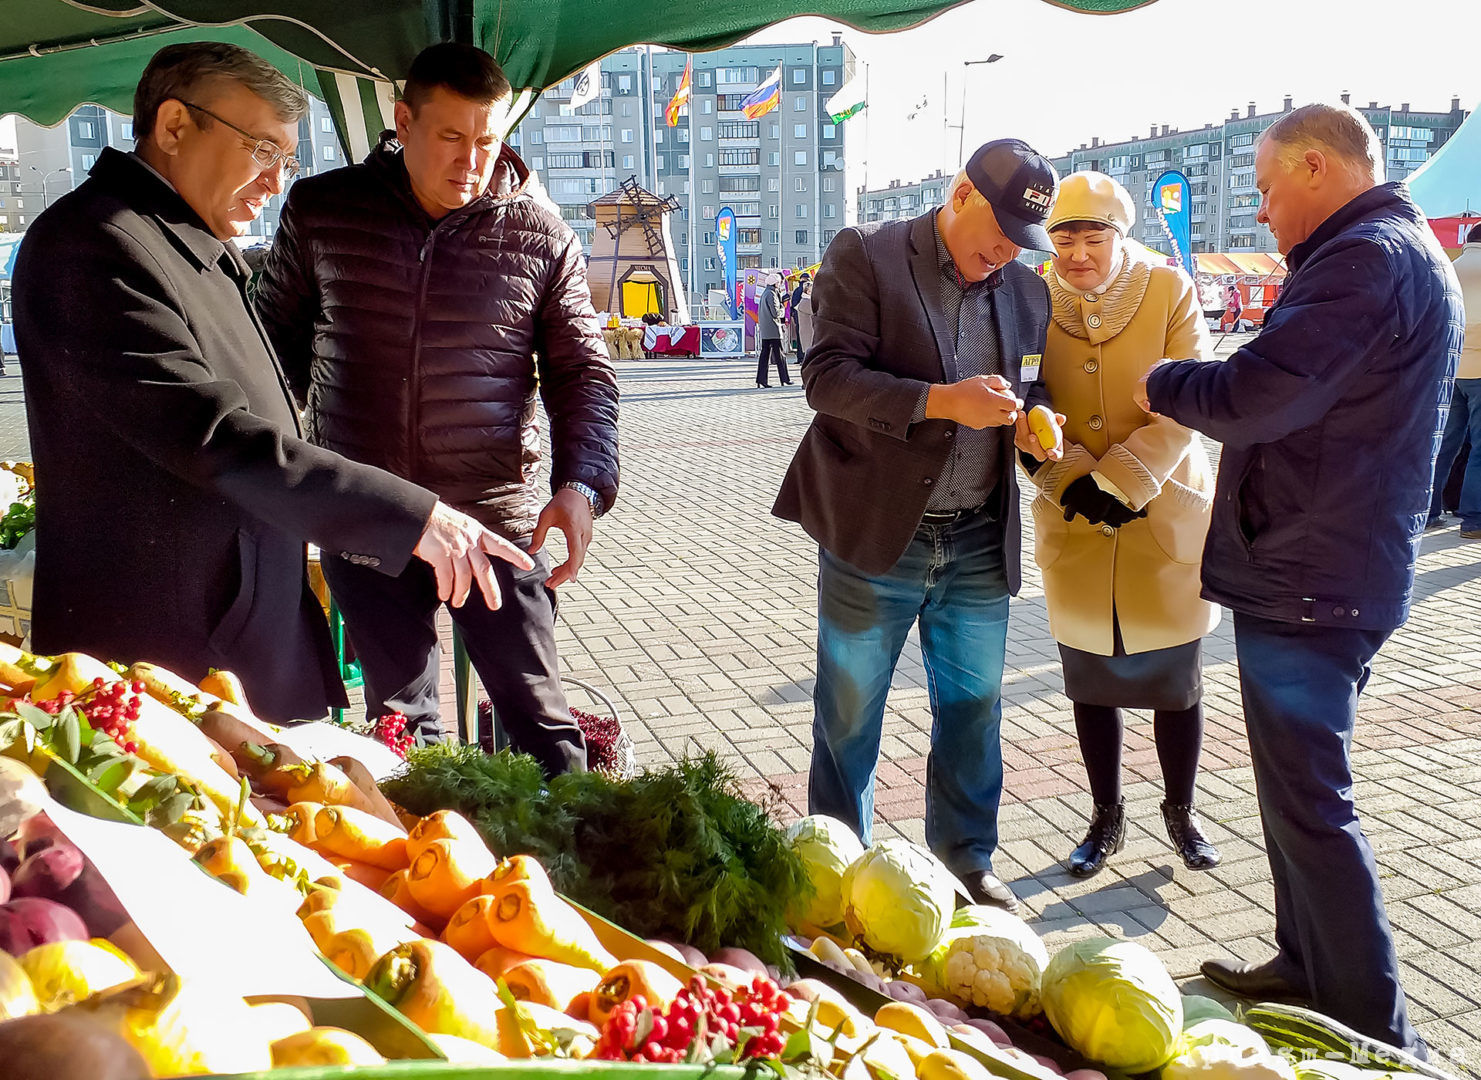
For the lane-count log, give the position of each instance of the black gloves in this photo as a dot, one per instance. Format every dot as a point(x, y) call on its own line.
point(1086, 498)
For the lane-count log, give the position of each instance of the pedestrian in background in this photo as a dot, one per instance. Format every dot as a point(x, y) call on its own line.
point(1464, 424)
point(769, 333)
point(1328, 420)
point(1119, 522)
point(794, 311)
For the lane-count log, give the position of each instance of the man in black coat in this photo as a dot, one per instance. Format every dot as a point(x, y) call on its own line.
point(424, 305)
point(927, 340)
point(175, 494)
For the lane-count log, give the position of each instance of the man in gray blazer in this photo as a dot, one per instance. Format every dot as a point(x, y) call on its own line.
point(927, 339)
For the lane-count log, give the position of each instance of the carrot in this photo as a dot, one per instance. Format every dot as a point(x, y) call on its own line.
point(447, 874)
point(496, 961)
point(544, 925)
point(356, 834)
point(231, 861)
point(547, 982)
point(372, 877)
point(468, 929)
point(319, 781)
point(230, 731)
point(438, 991)
point(396, 889)
point(176, 691)
point(356, 949)
point(442, 825)
point(226, 686)
point(281, 856)
point(222, 758)
point(632, 978)
point(360, 776)
point(517, 868)
point(300, 819)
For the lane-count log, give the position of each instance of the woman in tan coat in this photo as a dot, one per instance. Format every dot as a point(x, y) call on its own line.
point(1119, 523)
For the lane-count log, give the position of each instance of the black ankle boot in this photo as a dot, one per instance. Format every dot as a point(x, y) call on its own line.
point(1186, 833)
point(1105, 837)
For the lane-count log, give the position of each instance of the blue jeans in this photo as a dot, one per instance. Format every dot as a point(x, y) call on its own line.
point(1465, 419)
point(1300, 685)
point(951, 579)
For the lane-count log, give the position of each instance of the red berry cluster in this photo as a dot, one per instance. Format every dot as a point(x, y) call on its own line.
point(391, 730)
point(748, 1022)
point(110, 708)
point(602, 733)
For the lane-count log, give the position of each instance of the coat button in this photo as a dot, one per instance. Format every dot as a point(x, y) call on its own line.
point(1106, 530)
point(1095, 423)
point(1092, 365)
point(928, 481)
point(948, 433)
point(1091, 298)
point(1093, 321)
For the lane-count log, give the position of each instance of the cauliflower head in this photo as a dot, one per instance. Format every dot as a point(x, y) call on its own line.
point(990, 959)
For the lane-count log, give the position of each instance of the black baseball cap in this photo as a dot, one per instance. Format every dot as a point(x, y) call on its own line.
point(1019, 184)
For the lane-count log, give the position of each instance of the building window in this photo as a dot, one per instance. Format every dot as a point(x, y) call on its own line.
point(624, 84)
point(627, 135)
point(126, 129)
point(799, 103)
point(740, 129)
point(538, 163)
point(830, 159)
point(707, 105)
point(660, 163)
point(773, 211)
point(328, 152)
point(709, 161)
point(627, 108)
point(1247, 139)
point(830, 183)
point(704, 78)
point(799, 76)
point(658, 84)
point(658, 135)
point(684, 162)
point(88, 161)
point(800, 211)
point(799, 183)
point(801, 236)
point(707, 211)
point(707, 185)
point(709, 264)
point(830, 77)
point(740, 157)
point(706, 134)
point(773, 158)
point(830, 130)
point(85, 129)
point(799, 131)
point(773, 183)
point(799, 157)
point(776, 131)
point(830, 211)
point(627, 161)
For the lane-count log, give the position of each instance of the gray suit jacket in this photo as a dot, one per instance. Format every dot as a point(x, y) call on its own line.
point(861, 477)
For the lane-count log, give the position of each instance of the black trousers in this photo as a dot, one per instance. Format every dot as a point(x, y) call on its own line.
point(772, 347)
point(392, 623)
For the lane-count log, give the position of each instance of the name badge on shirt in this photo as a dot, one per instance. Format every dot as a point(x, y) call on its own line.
point(1028, 367)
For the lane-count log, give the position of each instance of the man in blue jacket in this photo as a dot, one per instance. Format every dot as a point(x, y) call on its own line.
point(1329, 420)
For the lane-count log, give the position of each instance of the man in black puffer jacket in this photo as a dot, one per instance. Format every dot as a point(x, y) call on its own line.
point(419, 302)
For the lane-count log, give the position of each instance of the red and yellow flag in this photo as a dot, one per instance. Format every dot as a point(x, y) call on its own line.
point(681, 95)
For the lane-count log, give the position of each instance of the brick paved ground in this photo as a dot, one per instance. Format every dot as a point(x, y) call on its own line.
point(697, 613)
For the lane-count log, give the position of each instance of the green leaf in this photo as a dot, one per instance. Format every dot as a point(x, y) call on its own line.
point(109, 776)
point(155, 791)
point(10, 730)
point(643, 1027)
point(798, 1045)
point(39, 719)
point(171, 810)
point(69, 735)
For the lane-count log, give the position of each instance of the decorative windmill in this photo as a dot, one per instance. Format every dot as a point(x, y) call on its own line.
point(632, 267)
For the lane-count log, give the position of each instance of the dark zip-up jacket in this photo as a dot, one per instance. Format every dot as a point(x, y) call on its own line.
point(420, 346)
point(1330, 421)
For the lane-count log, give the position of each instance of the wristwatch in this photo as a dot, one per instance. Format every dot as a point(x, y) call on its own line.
point(589, 493)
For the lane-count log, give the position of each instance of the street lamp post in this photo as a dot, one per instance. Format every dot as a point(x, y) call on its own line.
point(992, 58)
point(45, 176)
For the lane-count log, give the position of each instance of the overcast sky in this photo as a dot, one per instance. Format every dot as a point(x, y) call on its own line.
point(1065, 77)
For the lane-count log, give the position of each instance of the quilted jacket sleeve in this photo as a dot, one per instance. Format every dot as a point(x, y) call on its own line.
point(577, 381)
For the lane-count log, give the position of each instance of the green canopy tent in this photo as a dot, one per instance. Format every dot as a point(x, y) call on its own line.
point(58, 54)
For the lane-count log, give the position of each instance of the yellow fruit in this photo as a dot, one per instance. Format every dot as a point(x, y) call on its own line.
point(324, 1046)
point(577, 1037)
point(951, 1065)
point(62, 972)
point(1041, 423)
point(834, 1011)
point(17, 995)
point(913, 1020)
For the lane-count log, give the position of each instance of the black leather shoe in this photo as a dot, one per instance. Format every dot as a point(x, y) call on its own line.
point(1186, 833)
point(1259, 982)
point(1106, 836)
point(985, 888)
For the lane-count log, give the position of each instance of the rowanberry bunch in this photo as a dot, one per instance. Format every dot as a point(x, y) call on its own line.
point(111, 708)
point(391, 730)
point(747, 1023)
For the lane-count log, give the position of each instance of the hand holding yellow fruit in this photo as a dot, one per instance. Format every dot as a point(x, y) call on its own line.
point(1045, 424)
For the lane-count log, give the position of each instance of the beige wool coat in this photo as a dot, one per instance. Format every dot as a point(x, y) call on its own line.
point(1147, 572)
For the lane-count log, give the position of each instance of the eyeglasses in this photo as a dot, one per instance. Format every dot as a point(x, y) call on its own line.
point(267, 154)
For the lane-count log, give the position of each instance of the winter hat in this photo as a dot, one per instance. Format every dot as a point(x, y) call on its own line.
point(1092, 196)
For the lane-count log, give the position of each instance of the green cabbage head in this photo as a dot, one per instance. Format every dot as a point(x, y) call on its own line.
point(1196, 1007)
point(1114, 1002)
point(898, 899)
point(826, 846)
point(990, 959)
